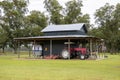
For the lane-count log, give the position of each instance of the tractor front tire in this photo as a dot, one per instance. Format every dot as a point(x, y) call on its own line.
point(82, 57)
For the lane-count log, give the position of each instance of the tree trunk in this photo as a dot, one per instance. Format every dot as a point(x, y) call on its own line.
point(15, 47)
point(3, 50)
point(29, 51)
point(111, 50)
point(15, 50)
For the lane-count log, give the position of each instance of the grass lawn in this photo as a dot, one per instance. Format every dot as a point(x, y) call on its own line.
point(12, 68)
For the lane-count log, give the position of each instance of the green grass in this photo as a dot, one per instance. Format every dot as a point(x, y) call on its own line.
point(12, 68)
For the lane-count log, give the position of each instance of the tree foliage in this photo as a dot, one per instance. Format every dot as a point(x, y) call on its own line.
point(3, 38)
point(35, 22)
point(12, 21)
point(54, 9)
point(15, 23)
point(107, 19)
point(73, 13)
point(68, 15)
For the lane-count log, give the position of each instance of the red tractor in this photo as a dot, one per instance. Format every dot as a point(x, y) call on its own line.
point(81, 53)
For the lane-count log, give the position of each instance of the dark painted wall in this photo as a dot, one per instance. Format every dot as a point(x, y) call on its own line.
point(64, 33)
point(57, 47)
point(46, 47)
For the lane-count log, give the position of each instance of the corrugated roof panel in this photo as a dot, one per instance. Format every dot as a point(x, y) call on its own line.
point(52, 37)
point(66, 27)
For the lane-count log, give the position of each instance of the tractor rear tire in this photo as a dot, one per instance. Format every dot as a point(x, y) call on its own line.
point(65, 54)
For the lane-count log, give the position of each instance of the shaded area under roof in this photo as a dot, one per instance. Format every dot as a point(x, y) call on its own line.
point(65, 27)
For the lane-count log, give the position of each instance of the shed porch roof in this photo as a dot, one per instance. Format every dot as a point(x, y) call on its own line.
point(60, 37)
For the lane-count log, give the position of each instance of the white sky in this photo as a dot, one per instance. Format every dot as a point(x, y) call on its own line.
point(89, 6)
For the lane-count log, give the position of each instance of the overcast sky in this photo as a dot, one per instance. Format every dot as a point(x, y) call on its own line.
point(89, 6)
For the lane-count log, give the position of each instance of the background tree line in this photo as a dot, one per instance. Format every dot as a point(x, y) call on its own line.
point(108, 21)
point(15, 23)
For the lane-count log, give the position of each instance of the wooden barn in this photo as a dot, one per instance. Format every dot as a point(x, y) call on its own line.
point(58, 37)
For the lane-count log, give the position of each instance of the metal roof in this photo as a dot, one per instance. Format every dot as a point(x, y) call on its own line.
point(65, 27)
point(54, 37)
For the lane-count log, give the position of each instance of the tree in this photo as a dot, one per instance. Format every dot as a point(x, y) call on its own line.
point(96, 32)
point(35, 22)
point(3, 39)
point(116, 21)
point(108, 25)
point(54, 9)
point(13, 19)
point(70, 14)
point(73, 13)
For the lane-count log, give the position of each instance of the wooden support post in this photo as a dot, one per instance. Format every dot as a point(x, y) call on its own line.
point(69, 47)
point(91, 47)
point(29, 52)
point(97, 51)
point(34, 48)
point(18, 49)
point(50, 47)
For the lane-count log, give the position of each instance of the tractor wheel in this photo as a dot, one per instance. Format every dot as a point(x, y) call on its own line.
point(82, 57)
point(87, 56)
point(65, 54)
